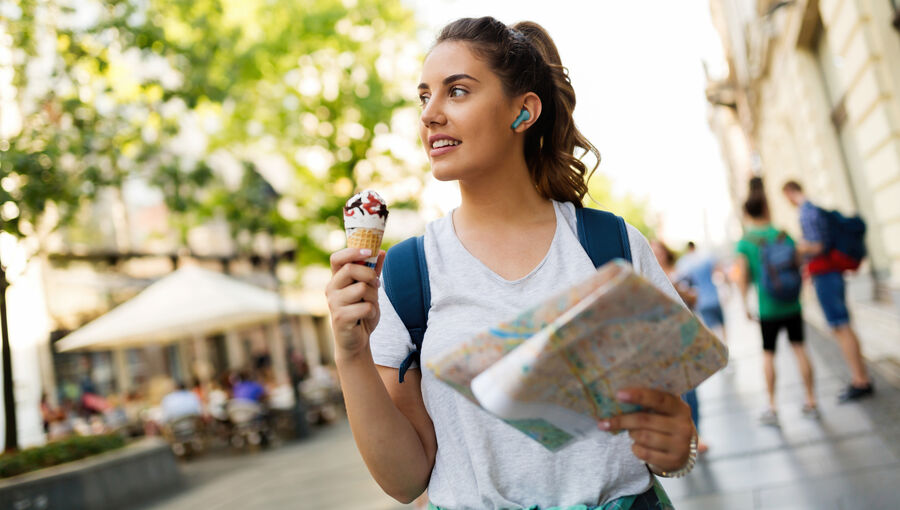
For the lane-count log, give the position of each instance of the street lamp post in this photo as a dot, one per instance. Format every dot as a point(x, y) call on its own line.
point(9, 399)
point(301, 427)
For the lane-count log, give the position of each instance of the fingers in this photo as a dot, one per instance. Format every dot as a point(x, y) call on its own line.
point(661, 432)
point(650, 440)
point(351, 285)
point(354, 293)
point(640, 421)
point(380, 263)
point(654, 400)
point(668, 461)
point(349, 274)
point(347, 255)
point(347, 317)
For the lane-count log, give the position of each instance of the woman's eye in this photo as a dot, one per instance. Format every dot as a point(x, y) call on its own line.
point(457, 92)
point(423, 100)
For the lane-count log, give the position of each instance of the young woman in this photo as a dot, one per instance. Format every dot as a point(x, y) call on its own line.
point(510, 244)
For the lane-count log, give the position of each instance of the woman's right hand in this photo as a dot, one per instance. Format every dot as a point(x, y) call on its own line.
point(353, 299)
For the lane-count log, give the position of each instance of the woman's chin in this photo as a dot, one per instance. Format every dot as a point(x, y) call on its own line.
point(444, 173)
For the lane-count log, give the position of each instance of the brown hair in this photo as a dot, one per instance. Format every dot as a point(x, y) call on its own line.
point(526, 60)
point(792, 186)
point(667, 252)
point(757, 207)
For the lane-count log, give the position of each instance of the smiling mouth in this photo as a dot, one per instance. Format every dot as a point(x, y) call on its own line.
point(444, 142)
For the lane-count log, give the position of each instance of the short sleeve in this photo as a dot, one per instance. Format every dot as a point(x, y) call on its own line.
point(390, 342)
point(745, 248)
point(812, 223)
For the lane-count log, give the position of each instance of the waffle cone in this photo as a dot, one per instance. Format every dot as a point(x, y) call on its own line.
point(365, 238)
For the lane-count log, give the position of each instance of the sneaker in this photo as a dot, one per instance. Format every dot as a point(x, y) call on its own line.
point(769, 417)
point(853, 393)
point(811, 412)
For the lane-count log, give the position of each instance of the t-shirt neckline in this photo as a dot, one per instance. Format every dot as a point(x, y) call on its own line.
point(490, 272)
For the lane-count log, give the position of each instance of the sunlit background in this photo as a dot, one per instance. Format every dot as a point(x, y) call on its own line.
point(172, 175)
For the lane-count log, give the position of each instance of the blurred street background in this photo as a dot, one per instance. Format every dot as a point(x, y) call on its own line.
point(171, 180)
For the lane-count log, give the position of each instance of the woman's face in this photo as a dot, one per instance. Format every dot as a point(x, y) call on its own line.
point(466, 116)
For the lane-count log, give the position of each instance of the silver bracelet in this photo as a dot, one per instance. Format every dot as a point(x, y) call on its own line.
point(688, 466)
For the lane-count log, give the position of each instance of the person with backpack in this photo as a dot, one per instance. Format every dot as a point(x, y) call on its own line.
point(497, 118)
point(768, 258)
point(833, 244)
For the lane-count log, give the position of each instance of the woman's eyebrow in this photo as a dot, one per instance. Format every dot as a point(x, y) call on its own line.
point(450, 79)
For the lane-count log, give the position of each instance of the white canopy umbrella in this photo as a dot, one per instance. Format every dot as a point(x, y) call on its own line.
point(189, 302)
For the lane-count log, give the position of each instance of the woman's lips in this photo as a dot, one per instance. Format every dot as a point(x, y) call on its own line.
point(440, 151)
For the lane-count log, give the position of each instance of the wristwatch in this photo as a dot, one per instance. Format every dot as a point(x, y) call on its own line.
point(688, 466)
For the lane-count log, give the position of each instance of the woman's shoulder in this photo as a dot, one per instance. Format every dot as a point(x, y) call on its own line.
point(636, 240)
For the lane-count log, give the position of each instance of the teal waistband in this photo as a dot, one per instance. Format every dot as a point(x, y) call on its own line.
point(635, 502)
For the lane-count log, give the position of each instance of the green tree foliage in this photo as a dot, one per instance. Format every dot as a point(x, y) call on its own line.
point(635, 211)
point(291, 94)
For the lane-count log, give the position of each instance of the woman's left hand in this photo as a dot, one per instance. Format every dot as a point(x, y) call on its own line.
point(661, 432)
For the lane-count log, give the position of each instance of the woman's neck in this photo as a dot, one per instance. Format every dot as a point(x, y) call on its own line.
point(504, 197)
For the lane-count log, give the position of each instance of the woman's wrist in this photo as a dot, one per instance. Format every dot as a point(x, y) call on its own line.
point(683, 470)
point(345, 357)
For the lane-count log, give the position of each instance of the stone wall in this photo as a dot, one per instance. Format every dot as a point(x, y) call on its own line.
point(121, 480)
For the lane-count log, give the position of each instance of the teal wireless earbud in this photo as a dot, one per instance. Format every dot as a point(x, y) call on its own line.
point(523, 116)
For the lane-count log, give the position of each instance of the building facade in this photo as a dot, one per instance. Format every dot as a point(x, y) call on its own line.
point(812, 94)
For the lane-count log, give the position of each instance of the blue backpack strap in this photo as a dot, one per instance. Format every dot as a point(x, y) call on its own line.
point(405, 276)
point(603, 235)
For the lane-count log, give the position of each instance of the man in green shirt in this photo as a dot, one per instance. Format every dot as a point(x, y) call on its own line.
point(774, 314)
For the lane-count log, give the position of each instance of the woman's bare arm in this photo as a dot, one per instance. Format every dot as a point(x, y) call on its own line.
point(391, 427)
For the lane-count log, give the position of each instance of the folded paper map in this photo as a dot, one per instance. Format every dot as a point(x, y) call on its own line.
point(553, 371)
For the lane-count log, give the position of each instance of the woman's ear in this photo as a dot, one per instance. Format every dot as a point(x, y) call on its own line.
point(531, 104)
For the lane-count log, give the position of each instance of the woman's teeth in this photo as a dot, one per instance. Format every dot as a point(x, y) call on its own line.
point(443, 142)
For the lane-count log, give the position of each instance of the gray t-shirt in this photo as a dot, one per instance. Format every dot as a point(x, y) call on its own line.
point(481, 461)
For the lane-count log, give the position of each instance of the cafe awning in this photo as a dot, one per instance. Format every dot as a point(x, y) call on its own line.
point(187, 303)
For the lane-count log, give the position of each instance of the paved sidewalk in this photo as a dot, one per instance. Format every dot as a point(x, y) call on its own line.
point(322, 472)
point(849, 459)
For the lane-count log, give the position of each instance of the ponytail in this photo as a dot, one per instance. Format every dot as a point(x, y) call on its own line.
point(526, 60)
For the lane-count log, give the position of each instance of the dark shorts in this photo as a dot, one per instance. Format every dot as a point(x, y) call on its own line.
point(712, 317)
point(830, 291)
point(771, 327)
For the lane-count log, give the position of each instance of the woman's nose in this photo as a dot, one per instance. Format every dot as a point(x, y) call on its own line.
point(433, 113)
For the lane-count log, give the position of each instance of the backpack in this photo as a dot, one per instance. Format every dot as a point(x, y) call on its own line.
point(603, 236)
point(780, 272)
point(846, 246)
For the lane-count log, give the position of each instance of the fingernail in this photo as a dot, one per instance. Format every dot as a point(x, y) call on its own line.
point(603, 424)
point(365, 252)
point(377, 282)
point(624, 396)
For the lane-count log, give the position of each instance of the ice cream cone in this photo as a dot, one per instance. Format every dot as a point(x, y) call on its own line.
point(365, 216)
point(366, 238)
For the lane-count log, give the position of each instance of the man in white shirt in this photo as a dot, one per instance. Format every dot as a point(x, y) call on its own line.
point(180, 403)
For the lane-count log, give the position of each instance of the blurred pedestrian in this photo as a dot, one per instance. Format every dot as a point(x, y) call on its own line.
point(828, 280)
point(497, 108)
point(697, 269)
point(776, 312)
point(667, 261)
